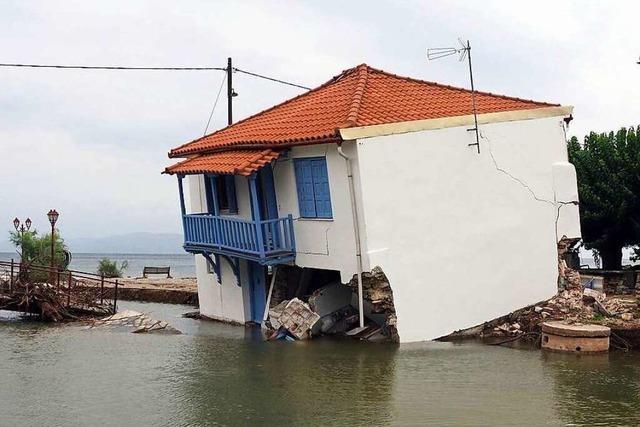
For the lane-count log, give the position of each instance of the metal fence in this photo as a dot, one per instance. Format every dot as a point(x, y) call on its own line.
point(73, 287)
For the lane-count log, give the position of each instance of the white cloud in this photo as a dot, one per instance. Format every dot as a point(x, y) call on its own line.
point(92, 144)
point(98, 189)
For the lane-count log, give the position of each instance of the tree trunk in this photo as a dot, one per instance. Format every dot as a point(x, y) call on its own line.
point(611, 257)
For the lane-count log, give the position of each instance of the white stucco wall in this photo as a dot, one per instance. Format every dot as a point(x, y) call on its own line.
point(465, 237)
point(225, 301)
point(320, 243)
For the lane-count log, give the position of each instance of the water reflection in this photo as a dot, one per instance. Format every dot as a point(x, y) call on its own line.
point(595, 389)
point(282, 383)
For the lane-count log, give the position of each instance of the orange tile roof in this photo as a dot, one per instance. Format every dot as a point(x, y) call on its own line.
point(238, 162)
point(360, 96)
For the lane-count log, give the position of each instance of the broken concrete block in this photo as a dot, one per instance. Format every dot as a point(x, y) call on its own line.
point(298, 318)
point(135, 322)
point(275, 312)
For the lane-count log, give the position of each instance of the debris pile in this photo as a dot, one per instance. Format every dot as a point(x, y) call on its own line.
point(575, 306)
point(568, 278)
point(135, 322)
point(332, 310)
point(293, 317)
point(50, 302)
point(376, 290)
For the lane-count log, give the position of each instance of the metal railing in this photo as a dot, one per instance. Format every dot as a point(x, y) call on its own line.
point(263, 238)
point(76, 287)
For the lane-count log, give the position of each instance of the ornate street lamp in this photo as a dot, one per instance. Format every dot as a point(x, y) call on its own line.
point(53, 218)
point(21, 228)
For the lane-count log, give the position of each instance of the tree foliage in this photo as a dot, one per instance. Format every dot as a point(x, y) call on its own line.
point(608, 169)
point(36, 250)
point(110, 268)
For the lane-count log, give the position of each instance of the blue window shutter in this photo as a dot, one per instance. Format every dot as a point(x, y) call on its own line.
point(304, 184)
point(230, 182)
point(321, 188)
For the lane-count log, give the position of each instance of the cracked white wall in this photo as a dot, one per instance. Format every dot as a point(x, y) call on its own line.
point(466, 237)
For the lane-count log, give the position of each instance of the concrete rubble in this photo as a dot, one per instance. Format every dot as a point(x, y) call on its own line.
point(295, 317)
point(621, 313)
point(332, 310)
point(134, 322)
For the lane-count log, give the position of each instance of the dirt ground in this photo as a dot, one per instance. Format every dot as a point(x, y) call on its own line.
point(182, 284)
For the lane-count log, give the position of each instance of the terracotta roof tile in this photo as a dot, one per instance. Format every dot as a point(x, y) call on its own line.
point(238, 162)
point(360, 96)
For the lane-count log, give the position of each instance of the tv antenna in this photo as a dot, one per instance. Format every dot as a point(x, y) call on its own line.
point(463, 52)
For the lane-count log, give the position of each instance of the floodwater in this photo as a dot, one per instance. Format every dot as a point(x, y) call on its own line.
point(216, 374)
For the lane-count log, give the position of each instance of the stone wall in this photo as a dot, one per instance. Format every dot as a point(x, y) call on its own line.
point(378, 294)
point(568, 278)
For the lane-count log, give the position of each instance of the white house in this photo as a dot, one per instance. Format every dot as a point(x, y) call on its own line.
point(373, 169)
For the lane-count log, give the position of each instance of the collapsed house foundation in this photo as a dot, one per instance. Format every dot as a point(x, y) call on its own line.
point(306, 303)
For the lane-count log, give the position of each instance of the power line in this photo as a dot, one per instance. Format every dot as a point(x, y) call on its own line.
point(101, 67)
point(229, 69)
point(214, 104)
point(271, 78)
point(108, 67)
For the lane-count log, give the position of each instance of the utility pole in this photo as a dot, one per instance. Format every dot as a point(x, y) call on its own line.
point(230, 92)
point(464, 51)
point(473, 97)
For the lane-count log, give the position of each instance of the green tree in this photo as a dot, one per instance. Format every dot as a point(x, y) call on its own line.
point(608, 169)
point(36, 249)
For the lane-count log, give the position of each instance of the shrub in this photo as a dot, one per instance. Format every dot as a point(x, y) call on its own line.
point(110, 268)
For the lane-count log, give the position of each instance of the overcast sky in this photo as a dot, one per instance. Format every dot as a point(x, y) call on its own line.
point(92, 144)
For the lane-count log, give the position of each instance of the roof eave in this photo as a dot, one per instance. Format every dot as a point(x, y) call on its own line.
point(360, 132)
point(255, 145)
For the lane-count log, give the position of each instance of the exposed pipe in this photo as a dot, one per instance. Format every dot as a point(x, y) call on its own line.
point(356, 230)
point(265, 315)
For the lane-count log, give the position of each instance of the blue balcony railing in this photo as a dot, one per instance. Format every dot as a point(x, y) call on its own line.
point(266, 241)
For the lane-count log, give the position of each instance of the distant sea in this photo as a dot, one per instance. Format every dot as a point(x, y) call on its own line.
point(182, 265)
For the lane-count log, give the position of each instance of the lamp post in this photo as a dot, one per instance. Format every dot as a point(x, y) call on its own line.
point(21, 228)
point(53, 218)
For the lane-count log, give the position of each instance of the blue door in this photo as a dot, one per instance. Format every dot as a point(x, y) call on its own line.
point(267, 193)
point(268, 206)
point(258, 291)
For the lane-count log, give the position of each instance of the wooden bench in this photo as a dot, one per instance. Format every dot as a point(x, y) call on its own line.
point(156, 270)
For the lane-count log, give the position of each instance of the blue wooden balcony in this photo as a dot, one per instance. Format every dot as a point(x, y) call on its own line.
point(268, 241)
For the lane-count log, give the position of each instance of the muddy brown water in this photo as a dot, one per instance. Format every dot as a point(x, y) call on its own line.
point(216, 374)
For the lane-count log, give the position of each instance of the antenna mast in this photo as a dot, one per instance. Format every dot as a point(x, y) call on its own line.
point(463, 51)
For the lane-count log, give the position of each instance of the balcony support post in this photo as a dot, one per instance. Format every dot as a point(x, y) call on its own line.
point(234, 262)
point(253, 189)
point(214, 263)
point(183, 209)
